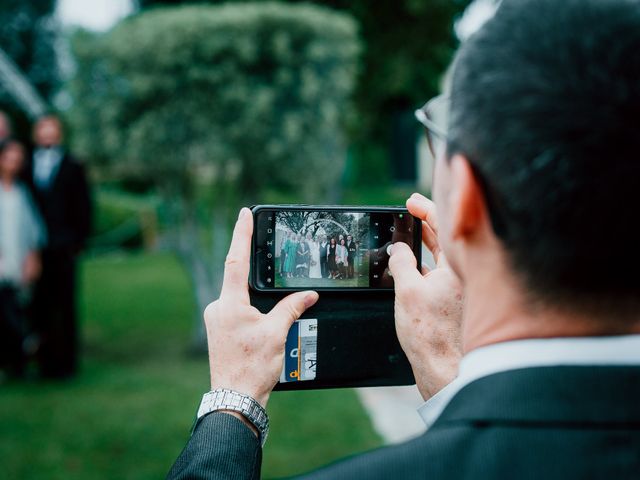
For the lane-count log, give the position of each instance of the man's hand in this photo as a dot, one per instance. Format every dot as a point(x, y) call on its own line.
point(246, 347)
point(428, 307)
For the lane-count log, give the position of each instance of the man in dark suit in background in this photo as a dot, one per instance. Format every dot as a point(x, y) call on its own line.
point(60, 188)
point(324, 252)
point(525, 340)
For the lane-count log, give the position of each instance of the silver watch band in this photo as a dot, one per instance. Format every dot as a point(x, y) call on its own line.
point(225, 399)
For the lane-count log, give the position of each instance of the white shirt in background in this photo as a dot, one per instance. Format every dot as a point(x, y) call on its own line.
point(46, 162)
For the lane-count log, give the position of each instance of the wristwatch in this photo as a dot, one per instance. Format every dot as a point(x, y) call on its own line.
point(225, 399)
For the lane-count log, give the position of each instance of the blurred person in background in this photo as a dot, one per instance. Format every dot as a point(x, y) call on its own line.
point(22, 235)
point(60, 188)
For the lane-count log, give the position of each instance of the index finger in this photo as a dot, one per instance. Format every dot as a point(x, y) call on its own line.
point(236, 266)
point(421, 207)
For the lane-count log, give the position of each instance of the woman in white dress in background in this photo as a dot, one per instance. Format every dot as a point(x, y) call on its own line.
point(315, 271)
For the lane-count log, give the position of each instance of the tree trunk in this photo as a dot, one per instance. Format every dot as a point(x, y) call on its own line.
point(205, 267)
point(191, 256)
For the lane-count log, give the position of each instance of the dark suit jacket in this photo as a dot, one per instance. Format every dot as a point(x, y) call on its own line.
point(351, 249)
point(66, 206)
point(534, 423)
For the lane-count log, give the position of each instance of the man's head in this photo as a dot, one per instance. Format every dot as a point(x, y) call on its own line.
point(543, 152)
point(47, 131)
point(349, 238)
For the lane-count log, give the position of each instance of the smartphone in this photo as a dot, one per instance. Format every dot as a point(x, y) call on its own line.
point(300, 247)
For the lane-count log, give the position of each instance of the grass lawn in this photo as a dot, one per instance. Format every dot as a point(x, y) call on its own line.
point(128, 414)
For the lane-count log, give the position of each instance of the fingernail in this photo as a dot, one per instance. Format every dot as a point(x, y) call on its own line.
point(242, 213)
point(310, 299)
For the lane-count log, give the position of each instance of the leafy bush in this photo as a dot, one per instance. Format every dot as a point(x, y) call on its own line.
point(123, 220)
point(246, 94)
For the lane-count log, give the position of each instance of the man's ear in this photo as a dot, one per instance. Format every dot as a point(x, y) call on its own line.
point(468, 209)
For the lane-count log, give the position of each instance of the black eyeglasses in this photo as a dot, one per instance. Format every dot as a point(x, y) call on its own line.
point(434, 116)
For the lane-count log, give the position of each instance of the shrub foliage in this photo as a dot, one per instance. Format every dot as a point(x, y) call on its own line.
point(248, 94)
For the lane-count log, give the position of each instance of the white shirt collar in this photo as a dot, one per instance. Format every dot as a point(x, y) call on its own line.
point(500, 357)
point(45, 165)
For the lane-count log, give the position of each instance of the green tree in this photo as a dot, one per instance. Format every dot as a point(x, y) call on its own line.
point(224, 103)
point(27, 35)
point(408, 45)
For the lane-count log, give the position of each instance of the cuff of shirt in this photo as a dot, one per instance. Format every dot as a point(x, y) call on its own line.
point(432, 408)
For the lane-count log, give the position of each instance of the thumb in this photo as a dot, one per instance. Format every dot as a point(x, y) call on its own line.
point(289, 309)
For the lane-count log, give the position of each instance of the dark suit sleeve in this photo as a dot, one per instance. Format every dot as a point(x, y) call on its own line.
point(221, 447)
point(83, 207)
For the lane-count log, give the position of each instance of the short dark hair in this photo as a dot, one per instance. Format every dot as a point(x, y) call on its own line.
point(545, 104)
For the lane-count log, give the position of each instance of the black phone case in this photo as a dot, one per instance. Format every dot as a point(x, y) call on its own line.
point(357, 343)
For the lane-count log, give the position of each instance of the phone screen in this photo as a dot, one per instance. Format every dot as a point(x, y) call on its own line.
point(328, 248)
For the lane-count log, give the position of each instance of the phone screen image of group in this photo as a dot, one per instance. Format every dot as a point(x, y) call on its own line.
point(332, 249)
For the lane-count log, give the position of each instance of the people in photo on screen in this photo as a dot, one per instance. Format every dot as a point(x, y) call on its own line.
point(302, 258)
point(291, 248)
point(324, 257)
point(341, 259)
point(283, 251)
point(315, 270)
point(331, 255)
point(351, 256)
